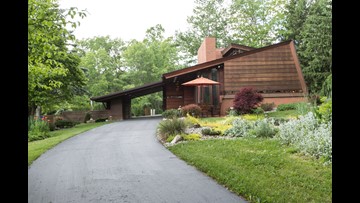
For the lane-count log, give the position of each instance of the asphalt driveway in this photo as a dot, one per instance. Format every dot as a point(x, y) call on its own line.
point(119, 162)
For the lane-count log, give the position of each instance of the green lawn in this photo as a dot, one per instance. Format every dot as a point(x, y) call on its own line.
point(36, 148)
point(283, 114)
point(261, 170)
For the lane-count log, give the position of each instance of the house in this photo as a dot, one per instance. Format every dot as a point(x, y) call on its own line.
point(274, 71)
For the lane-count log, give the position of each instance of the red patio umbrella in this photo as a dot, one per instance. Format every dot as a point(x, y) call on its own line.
point(199, 82)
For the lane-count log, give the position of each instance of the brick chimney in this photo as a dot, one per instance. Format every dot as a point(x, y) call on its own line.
point(208, 51)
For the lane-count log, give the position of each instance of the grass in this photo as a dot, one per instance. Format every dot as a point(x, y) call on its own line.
point(283, 114)
point(261, 170)
point(36, 148)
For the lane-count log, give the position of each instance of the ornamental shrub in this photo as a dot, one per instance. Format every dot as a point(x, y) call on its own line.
point(246, 100)
point(285, 107)
point(263, 128)
point(210, 131)
point(267, 106)
point(308, 135)
point(171, 113)
point(65, 123)
point(191, 137)
point(171, 127)
point(240, 128)
point(38, 129)
point(192, 109)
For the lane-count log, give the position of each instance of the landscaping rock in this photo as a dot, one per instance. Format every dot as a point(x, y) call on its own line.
point(176, 139)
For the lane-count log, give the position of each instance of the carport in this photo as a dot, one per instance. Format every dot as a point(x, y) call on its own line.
point(118, 104)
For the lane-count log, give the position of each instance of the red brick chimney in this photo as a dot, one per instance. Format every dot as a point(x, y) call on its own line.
point(208, 51)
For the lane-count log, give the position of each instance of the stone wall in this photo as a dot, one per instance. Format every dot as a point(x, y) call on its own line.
point(78, 116)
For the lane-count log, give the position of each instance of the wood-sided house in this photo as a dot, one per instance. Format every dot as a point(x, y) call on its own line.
point(274, 71)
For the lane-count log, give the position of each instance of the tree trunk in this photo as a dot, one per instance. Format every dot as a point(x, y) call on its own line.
point(38, 112)
point(31, 110)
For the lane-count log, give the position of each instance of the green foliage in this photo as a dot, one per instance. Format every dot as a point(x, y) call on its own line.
point(283, 114)
point(324, 111)
point(252, 117)
point(255, 23)
point(232, 112)
point(260, 170)
point(267, 106)
point(192, 109)
point(171, 113)
point(171, 127)
point(209, 18)
point(210, 131)
point(326, 89)
point(258, 111)
point(308, 135)
point(65, 123)
point(303, 108)
point(37, 129)
point(263, 128)
point(192, 120)
point(191, 137)
point(286, 107)
point(240, 128)
point(148, 59)
point(53, 72)
point(100, 120)
point(315, 49)
point(170, 138)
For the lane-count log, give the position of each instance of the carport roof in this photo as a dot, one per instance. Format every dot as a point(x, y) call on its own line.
point(132, 93)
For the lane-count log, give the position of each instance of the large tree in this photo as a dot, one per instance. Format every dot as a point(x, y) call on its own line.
point(53, 72)
point(209, 19)
point(103, 62)
point(148, 59)
point(248, 22)
point(256, 23)
point(315, 48)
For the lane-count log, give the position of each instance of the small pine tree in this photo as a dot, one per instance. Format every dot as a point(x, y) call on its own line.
point(246, 100)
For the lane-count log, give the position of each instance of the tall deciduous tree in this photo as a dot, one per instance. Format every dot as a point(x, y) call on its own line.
point(103, 62)
point(53, 73)
point(147, 60)
point(255, 23)
point(210, 18)
point(315, 49)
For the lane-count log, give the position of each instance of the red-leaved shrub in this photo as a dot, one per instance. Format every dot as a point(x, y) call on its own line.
point(247, 99)
point(192, 109)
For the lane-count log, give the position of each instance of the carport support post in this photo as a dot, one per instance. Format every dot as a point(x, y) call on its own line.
point(126, 108)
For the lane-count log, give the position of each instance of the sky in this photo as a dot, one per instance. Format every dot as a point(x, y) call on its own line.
point(129, 19)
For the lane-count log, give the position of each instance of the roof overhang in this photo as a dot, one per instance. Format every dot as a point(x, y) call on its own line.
point(132, 93)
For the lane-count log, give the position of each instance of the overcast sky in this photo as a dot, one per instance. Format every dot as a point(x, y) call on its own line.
point(129, 19)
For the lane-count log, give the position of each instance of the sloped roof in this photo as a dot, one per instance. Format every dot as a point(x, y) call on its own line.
point(132, 93)
point(208, 64)
point(233, 46)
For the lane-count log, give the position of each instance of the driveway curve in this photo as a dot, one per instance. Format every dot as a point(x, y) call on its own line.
point(119, 162)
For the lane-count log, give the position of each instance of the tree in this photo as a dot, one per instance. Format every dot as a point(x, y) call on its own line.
point(256, 23)
point(102, 59)
point(315, 49)
point(209, 19)
point(147, 60)
point(296, 12)
point(53, 73)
